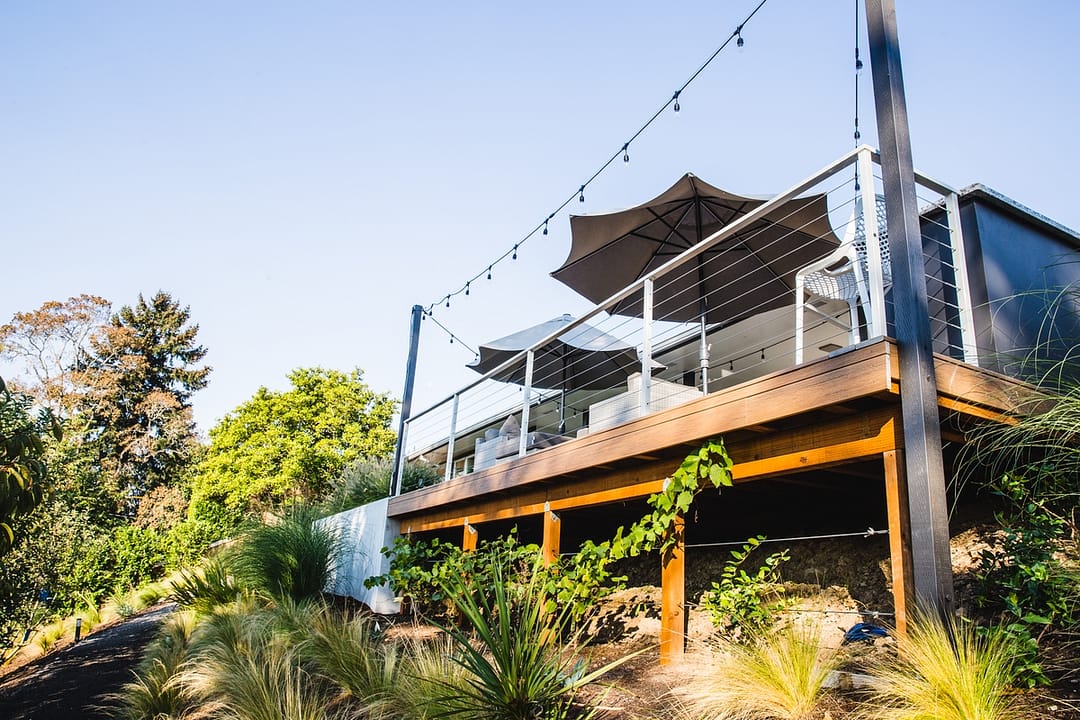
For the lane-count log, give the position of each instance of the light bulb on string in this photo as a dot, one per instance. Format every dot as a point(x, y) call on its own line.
point(581, 194)
point(515, 252)
point(675, 97)
point(739, 42)
point(545, 227)
point(466, 289)
point(858, 61)
point(447, 301)
point(489, 272)
point(626, 154)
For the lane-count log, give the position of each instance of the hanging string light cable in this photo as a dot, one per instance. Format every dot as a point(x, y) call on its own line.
point(453, 338)
point(622, 152)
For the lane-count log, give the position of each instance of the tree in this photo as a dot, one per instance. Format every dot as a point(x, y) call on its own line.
point(283, 446)
point(23, 473)
point(139, 376)
point(51, 344)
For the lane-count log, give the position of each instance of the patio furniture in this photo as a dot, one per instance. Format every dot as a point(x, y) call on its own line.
point(502, 444)
point(843, 274)
point(626, 406)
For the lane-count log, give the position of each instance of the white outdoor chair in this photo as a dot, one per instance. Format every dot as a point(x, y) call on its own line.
point(843, 275)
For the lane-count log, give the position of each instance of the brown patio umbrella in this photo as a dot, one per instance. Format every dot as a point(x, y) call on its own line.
point(746, 274)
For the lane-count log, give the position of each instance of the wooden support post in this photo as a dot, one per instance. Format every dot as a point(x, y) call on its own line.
point(896, 498)
point(550, 550)
point(673, 591)
point(468, 542)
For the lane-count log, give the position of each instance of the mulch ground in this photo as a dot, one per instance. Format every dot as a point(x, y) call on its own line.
point(74, 683)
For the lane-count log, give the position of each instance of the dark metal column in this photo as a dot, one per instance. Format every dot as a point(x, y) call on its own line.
point(931, 565)
point(406, 400)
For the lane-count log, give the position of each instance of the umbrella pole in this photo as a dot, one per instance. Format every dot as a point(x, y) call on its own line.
point(703, 357)
point(562, 411)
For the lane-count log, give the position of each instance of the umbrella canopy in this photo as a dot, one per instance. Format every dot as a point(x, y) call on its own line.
point(583, 358)
point(748, 273)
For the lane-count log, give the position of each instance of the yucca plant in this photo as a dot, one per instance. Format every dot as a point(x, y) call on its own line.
point(519, 667)
point(771, 675)
point(205, 588)
point(293, 558)
point(945, 671)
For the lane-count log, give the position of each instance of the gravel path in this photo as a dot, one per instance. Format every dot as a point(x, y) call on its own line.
point(71, 684)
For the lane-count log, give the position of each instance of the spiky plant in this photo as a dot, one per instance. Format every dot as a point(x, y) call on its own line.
point(945, 671)
point(428, 675)
point(205, 588)
point(774, 675)
point(519, 667)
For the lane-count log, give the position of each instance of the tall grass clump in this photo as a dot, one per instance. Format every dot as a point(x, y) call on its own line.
point(155, 693)
point(353, 656)
point(518, 665)
point(769, 675)
point(945, 671)
point(294, 558)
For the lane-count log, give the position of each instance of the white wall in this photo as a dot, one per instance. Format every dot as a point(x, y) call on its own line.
point(364, 532)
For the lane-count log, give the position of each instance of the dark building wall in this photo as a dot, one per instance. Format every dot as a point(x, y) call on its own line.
point(1021, 269)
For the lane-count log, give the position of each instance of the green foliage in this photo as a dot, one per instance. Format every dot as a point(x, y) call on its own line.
point(154, 693)
point(577, 581)
point(776, 675)
point(367, 479)
point(205, 589)
point(293, 558)
point(945, 671)
point(741, 603)
point(288, 446)
point(708, 467)
point(519, 667)
point(23, 472)
point(138, 378)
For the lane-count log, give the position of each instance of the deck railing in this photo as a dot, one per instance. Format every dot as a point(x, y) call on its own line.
point(720, 313)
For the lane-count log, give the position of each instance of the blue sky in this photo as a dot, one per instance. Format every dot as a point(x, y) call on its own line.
point(301, 174)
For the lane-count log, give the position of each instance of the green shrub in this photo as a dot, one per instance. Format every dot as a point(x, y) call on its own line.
point(742, 602)
point(294, 558)
point(205, 588)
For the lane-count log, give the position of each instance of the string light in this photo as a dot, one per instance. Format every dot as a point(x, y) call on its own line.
point(623, 152)
point(454, 339)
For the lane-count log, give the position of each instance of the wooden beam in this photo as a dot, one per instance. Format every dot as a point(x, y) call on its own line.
point(550, 549)
point(899, 538)
point(842, 440)
point(860, 373)
point(673, 596)
point(469, 537)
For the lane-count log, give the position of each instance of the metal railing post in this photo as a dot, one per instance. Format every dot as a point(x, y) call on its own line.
point(524, 439)
point(450, 440)
point(646, 345)
point(875, 270)
point(963, 289)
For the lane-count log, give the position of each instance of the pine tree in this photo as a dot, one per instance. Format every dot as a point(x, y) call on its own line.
point(139, 377)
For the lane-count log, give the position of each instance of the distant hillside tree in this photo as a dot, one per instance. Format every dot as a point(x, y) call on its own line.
point(135, 407)
point(284, 446)
point(49, 346)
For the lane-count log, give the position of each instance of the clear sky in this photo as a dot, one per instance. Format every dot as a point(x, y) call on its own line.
point(301, 174)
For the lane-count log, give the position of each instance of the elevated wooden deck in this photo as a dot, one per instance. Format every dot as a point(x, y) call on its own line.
point(836, 410)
